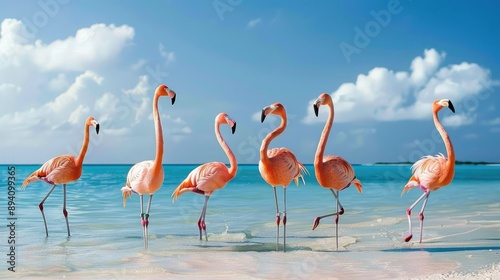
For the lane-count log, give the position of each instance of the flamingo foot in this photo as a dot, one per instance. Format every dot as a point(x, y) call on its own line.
point(316, 223)
point(408, 238)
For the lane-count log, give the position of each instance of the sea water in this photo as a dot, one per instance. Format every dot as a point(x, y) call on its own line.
point(461, 227)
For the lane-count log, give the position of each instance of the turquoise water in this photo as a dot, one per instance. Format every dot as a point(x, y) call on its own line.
point(461, 229)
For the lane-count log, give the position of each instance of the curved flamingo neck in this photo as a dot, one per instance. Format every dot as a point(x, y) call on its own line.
point(159, 134)
point(320, 151)
point(85, 145)
point(450, 163)
point(273, 134)
point(232, 159)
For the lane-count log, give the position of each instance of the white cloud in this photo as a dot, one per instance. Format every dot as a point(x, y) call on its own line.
point(253, 22)
point(457, 120)
point(257, 115)
point(89, 48)
point(60, 82)
point(386, 95)
point(168, 56)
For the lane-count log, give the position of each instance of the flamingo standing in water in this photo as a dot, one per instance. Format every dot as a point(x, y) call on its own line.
point(62, 170)
point(146, 177)
point(332, 172)
point(430, 173)
point(207, 178)
point(279, 166)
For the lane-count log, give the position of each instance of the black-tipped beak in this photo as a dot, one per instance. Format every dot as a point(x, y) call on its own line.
point(233, 129)
point(450, 105)
point(173, 99)
point(263, 116)
point(97, 128)
point(316, 109)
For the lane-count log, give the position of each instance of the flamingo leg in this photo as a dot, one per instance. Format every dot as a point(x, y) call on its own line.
point(141, 203)
point(421, 215)
point(284, 220)
point(408, 213)
point(40, 206)
point(145, 221)
point(317, 219)
point(337, 220)
point(64, 208)
point(201, 222)
point(278, 218)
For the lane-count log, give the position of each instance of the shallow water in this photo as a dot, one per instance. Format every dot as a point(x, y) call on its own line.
point(461, 228)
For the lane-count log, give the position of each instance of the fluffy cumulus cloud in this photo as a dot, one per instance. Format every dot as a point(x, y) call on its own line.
point(48, 89)
point(89, 48)
point(387, 95)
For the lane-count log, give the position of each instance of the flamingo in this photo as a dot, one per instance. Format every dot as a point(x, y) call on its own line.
point(279, 166)
point(332, 172)
point(146, 177)
point(430, 173)
point(208, 177)
point(62, 170)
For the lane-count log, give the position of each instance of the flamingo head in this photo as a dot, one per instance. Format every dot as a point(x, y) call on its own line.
point(323, 99)
point(225, 118)
point(163, 90)
point(439, 104)
point(92, 122)
point(275, 108)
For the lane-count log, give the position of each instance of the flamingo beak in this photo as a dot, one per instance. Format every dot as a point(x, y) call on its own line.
point(316, 109)
point(233, 128)
point(96, 124)
point(263, 115)
point(450, 105)
point(173, 95)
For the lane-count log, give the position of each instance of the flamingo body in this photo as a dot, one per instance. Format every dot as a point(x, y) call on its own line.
point(332, 172)
point(146, 177)
point(283, 167)
point(62, 170)
point(431, 173)
point(279, 166)
point(209, 177)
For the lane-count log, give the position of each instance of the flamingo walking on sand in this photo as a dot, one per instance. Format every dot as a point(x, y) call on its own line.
point(279, 166)
point(209, 177)
point(430, 173)
point(62, 170)
point(146, 177)
point(332, 172)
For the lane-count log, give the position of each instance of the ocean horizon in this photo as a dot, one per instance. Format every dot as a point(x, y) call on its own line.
point(460, 234)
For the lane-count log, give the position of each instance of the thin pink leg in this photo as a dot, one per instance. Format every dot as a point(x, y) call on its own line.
point(421, 215)
point(278, 218)
point(284, 220)
point(64, 208)
point(145, 222)
point(408, 213)
point(339, 212)
point(40, 206)
point(201, 222)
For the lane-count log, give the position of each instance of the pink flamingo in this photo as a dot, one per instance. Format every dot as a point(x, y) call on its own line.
point(430, 173)
point(207, 178)
point(279, 166)
point(332, 172)
point(62, 170)
point(146, 177)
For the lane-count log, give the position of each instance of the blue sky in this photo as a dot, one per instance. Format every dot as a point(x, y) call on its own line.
point(384, 62)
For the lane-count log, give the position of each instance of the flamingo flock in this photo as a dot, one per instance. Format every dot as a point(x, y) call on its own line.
point(277, 166)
